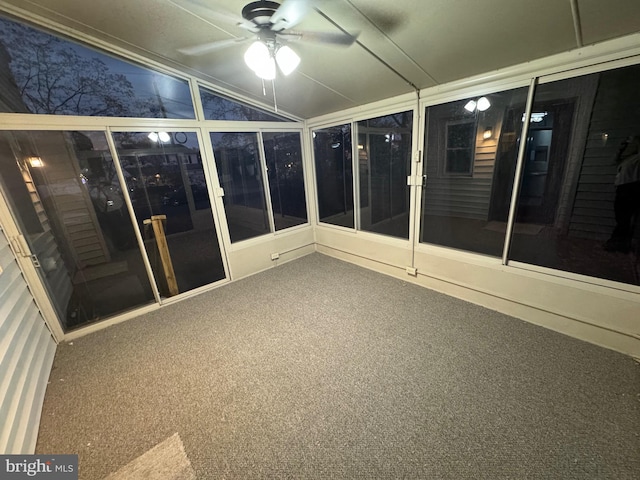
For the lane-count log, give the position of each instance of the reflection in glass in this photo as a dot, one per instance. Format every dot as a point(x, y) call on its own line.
point(283, 153)
point(240, 174)
point(334, 175)
point(67, 200)
point(582, 147)
point(217, 107)
point(51, 75)
point(384, 162)
point(168, 189)
point(470, 159)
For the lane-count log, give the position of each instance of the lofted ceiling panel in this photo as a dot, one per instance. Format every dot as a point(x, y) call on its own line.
point(453, 39)
point(606, 20)
point(401, 44)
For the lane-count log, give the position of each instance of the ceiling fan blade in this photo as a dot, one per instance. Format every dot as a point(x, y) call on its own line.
point(204, 48)
point(205, 12)
point(331, 38)
point(289, 14)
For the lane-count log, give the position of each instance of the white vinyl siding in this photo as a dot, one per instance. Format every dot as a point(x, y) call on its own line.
point(26, 356)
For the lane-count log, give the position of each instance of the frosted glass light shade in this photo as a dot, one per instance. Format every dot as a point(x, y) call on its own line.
point(287, 59)
point(470, 106)
point(259, 59)
point(267, 69)
point(161, 136)
point(483, 104)
point(255, 55)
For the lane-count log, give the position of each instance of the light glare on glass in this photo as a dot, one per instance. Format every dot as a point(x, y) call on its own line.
point(483, 104)
point(35, 162)
point(161, 136)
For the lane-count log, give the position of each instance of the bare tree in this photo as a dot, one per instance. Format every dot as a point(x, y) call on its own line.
point(220, 108)
point(56, 77)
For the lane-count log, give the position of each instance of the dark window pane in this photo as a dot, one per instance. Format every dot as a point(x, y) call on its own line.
point(166, 181)
point(240, 173)
point(334, 175)
point(217, 107)
point(579, 203)
point(470, 161)
point(91, 264)
point(283, 153)
point(460, 147)
point(384, 156)
point(42, 73)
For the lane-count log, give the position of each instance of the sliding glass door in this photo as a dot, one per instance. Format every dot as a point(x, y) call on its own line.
point(65, 197)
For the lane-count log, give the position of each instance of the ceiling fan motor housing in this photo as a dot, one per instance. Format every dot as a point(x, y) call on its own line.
point(260, 12)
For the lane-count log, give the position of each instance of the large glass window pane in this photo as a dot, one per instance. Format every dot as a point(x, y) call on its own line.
point(283, 152)
point(217, 107)
point(240, 174)
point(579, 203)
point(384, 162)
point(66, 197)
point(471, 147)
point(46, 74)
point(168, 189)
point(334, 175)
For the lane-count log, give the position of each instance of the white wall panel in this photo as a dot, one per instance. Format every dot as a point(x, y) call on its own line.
point(253, 256)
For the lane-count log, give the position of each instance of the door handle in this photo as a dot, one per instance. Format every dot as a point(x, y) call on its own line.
point(20, 246)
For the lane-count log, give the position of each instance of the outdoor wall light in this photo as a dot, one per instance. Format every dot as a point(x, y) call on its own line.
point(488, 133)
point(162, 136)
point(470, 106)
point(481, 105)
point(35, 161)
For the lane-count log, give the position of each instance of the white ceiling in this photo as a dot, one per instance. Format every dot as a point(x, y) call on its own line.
point(426, 42)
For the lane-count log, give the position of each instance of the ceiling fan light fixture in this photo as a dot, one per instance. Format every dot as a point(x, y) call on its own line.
point(256, 55)
point(258, 58)
point(287, 59)
point(267, 70)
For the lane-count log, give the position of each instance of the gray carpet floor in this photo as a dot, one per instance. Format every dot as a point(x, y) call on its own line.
point(321, 369)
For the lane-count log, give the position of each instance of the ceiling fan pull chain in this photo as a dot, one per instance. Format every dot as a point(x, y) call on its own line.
point(275, 102)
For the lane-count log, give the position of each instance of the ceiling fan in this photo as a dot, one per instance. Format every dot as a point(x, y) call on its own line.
point(270, 23)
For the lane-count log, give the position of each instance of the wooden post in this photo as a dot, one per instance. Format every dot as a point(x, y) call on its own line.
point(163, 249)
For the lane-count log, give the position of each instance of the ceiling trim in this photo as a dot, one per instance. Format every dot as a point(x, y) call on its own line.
point(386, 106)
point(390, 42)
